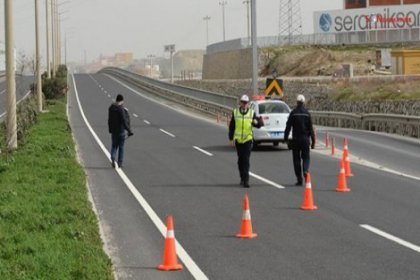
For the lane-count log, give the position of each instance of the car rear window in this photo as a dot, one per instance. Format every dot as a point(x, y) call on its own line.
point(273, 108)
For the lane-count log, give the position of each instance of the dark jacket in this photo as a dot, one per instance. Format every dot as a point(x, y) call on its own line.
point(232, 123)
point(118, 119)
point(301, 122)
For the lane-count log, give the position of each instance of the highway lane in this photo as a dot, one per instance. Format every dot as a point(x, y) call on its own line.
point(202, 192)
point(22, 87)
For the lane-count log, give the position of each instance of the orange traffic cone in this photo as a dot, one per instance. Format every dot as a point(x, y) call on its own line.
point(346, 159)
point(170, 261)
point(246, 227)
point(333, 146)
point(308, 203)
point(342, 180)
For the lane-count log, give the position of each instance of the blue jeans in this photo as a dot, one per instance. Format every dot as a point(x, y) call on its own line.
point(118, 145)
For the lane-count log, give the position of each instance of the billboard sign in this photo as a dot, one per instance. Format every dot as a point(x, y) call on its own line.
point(377, 18)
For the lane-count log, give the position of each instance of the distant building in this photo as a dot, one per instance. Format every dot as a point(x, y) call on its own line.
point(124, 59)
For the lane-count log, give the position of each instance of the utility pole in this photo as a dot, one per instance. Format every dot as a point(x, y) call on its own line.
point(223, 4)
point(254, 47)
point(38, 58)
point(10, 76)
point(151, 56)
point(248, 4)
point(53, 36)
point(65, 49)
point(48, 38)
point(207, 18)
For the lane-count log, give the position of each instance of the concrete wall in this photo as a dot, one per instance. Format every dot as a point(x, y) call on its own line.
point(234, 64)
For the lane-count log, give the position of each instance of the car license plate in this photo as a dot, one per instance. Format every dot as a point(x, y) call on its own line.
point(277, 134)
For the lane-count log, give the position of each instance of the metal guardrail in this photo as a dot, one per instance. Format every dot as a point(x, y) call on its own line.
point(201, 102)
point(217, 98)
point(210, 103)
point(390, 123)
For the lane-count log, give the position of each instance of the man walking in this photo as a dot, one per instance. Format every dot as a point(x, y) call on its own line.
point(241, 135)
point(118, 123)
point(301, 122)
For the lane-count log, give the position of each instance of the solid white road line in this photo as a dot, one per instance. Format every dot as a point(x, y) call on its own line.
point(271, 183)
point(392, 238)
point(146, 122)
point(196, 272)
point(135, 115)
point(203, 151)
point(167, 133)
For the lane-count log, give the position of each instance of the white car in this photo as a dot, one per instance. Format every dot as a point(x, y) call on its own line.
point(274, 114)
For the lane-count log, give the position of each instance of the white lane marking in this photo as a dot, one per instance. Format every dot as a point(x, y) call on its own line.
point(3, 91)
point(105, 92)
point(196, 272)
point(146, 122)
point(109, 96)
point(271, 183)
point(392, 238)
point(167, 133)
point(203, 151)
point(135, 115)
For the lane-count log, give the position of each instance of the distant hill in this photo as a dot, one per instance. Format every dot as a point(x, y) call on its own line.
point(316, 60)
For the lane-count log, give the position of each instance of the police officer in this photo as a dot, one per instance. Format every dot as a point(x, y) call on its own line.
point(240, 135)
point(301, 122)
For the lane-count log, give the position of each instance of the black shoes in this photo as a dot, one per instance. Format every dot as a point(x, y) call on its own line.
point(299, 184)
point(244, 184)
point(113, 163)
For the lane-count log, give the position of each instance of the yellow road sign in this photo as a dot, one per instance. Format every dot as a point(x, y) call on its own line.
point(274, 86)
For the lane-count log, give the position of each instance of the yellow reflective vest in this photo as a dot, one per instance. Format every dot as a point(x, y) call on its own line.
point(243, 126)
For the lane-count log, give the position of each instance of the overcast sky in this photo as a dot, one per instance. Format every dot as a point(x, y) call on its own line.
point(145, 26)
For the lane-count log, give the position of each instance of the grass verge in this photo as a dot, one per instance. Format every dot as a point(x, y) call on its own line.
point(47, 227)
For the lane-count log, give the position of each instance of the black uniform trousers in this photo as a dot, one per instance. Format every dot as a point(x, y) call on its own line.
point(301, 157)
point(244, 154)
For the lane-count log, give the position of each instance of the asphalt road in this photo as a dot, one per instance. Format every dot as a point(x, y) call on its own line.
point(203, 194)
point(22, 87)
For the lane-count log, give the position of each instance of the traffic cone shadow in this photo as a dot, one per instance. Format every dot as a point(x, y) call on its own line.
point(246, 226)
point(170, 260)
point(308, 202)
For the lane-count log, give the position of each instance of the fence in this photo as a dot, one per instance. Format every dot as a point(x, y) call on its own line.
point(393, 36)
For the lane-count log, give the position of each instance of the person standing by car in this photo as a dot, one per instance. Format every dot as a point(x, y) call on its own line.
point(301, 122)
point(241, 135)
point(118, 123)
